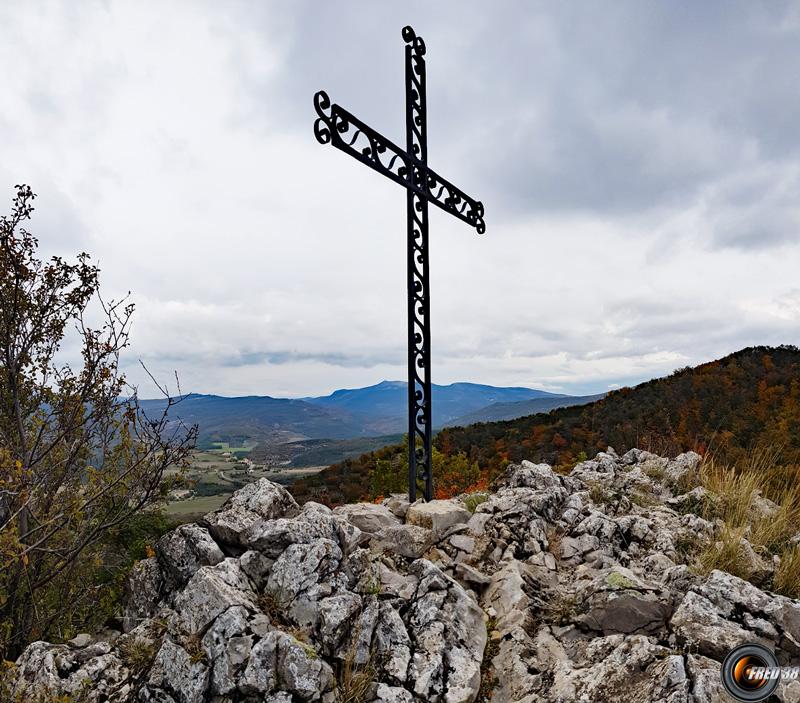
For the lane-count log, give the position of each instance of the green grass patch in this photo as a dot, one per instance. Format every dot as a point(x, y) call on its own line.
point(196, 506)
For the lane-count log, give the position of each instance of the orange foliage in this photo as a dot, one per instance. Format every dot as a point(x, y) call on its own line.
point(726, 408)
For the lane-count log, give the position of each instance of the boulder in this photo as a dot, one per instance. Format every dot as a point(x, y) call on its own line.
point(437, 515)
point(406, 540)
point(368, 517)
point(281, 663)
point(210, 592)
point(227, 645)
point(247, 509)
point(627, 613)
point(398, 504)
point(179, 674)
point(698, 622)
point(463, 543)
point(392, 694)
point(183, 551)
point(142, 593)
point(471, 576)
point(682, 467)
point(449, 636)
point(56, 669)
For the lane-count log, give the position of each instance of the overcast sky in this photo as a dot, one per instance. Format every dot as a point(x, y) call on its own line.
point(639, 163)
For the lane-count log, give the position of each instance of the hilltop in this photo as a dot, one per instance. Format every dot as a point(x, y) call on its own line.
point(521, 408)
point(614, 584)
point(745, 400)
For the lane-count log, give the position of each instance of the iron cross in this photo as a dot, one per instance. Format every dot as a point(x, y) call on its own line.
point(408, 167)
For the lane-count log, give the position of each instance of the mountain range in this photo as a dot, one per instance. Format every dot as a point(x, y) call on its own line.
point(385, 403)
point(747, 401)
point(371, 412)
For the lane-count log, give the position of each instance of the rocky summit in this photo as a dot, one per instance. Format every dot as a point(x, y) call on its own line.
point(554, 588)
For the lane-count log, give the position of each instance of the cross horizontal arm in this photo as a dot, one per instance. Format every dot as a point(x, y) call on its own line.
point(337, 126)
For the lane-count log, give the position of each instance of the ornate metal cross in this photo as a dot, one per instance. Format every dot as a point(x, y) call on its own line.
point(409, 168)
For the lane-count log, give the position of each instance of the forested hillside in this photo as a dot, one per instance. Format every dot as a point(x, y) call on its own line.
point(746, 400)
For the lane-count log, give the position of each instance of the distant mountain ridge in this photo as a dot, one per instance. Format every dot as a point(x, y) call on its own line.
point(345, 414)
point(388, 401)
point(258, 418)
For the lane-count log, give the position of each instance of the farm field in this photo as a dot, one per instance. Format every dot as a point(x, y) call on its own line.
point(215, 473)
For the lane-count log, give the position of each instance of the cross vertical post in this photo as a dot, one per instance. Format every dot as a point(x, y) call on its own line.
point(420, 469)
point(336, 126)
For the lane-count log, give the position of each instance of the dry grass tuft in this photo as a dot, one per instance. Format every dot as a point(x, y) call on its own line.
point(787, 576)
point(688, 545)
point(138, 654)
point(740, 491)
point(193, 644)
point(598, 494)
point(488, 678)
point(354, 683)
point(726, 554)
point(271, 604)
point(562, 610)
point(554, 537)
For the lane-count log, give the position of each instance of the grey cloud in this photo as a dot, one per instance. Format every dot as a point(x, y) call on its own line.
point(759, 210)
point(638, 162)
point(335, 359)
point(570, 108)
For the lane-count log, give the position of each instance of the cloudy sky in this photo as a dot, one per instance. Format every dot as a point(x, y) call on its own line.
point(639, 163)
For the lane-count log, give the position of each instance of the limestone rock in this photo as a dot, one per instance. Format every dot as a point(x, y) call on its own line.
point(392, 643)
point(59, 670)
point(179, 674)
point(708, 686)
point(463, 543)
point(210, 592)
point(392, 582)
point(368, 517)
point(699, 622)
point(397, 504)
point(471, 575)
point(392, 694)
point(227, 645)
point(336, 617)
point(257, 567)
point(449, 636)
point(183, 551)
point(582, 581)
point(409, 541)
point(437, 515)
point(682, 467)
point(246, 509)
point(142, 592)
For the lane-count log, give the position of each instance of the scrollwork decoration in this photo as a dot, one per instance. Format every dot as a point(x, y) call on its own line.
point(409, 168)
point(323, 125)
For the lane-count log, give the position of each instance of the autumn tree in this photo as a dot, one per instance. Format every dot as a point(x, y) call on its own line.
point(78, 456)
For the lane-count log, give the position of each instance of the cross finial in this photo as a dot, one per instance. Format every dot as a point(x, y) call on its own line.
point(410, 37)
